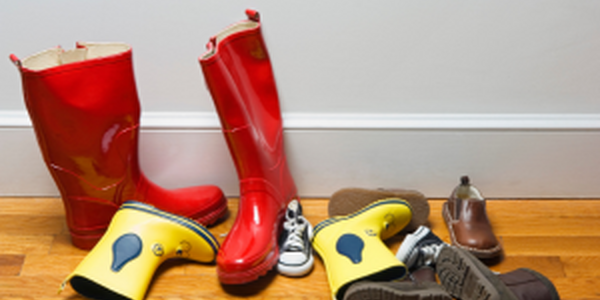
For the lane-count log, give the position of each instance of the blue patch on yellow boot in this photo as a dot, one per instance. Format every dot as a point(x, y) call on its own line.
point(139, 238)
point(125, 248)
point(352, 247)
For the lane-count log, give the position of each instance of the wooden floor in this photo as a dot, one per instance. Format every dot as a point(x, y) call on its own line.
point(559, 238)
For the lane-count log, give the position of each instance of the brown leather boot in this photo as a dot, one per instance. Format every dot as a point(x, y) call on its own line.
point(467, 278)
point(396, 290)
point(467, 221)
point(423, 274)
point(529, 284)
point(421, 284)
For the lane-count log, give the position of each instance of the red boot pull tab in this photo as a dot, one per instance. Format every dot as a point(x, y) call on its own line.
point(212, 43)
point(15, 60)
point(253, 15)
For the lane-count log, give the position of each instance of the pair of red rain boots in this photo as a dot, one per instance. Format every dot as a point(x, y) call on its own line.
point(85, 112)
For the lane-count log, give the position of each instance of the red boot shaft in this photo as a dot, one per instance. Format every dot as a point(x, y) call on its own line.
point(239, 76)
point(85, 112)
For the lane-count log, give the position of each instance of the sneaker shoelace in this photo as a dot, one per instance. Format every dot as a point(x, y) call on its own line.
point(428, 254)
point(295, 228)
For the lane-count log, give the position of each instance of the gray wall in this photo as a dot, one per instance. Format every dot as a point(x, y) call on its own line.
point(340, 56)
point(403, 94)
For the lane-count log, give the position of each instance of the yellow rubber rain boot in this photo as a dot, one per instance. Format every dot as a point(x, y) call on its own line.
point(139, 238)
point(352, 247)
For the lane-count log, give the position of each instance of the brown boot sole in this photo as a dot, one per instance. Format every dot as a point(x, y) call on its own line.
point(350, 200)
point(396, 291)
point(467, 278)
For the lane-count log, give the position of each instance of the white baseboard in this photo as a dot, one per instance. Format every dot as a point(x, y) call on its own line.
point(506, 155)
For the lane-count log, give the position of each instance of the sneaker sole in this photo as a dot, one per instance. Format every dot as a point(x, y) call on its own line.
point(350, 200)
point(291, 270)
point(467, 278)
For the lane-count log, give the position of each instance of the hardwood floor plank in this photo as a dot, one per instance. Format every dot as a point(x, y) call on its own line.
point(557, 238)
point(519, 225)
point(581, 266)
point(61, 245)
point(31, 224)
point(564, 245)
point(25, 244)
point(58, 265)
point(32, 206)
point(11, 264)
point(34, 286)
point(577, 288)
point(549, 266)
point(555, 208)
point(75, 297)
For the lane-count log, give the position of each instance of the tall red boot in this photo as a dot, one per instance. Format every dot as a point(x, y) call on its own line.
point(85, 112)
point(239, 76)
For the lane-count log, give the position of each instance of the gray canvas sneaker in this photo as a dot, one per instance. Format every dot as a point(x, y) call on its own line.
point(295, 250)
point(420, 248)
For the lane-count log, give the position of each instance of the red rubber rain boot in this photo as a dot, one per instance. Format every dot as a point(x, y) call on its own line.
point(85, 112)
point(239, 76)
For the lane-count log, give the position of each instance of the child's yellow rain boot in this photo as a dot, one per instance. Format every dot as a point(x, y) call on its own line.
point(139, 238)
point(352, 247)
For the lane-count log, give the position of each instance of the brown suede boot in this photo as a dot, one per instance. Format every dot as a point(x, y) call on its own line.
point(467, 278)
point(349, 200)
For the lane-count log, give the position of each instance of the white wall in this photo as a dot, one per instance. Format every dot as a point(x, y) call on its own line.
point(539, 56)
point(398, 76)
